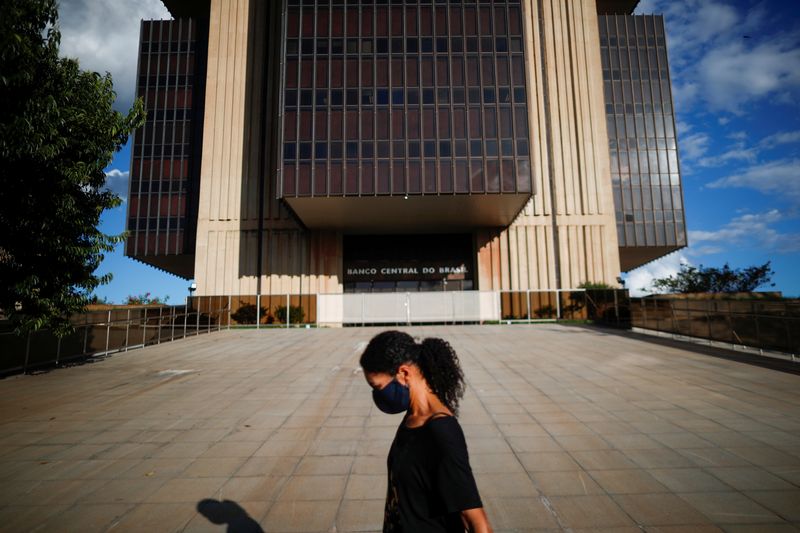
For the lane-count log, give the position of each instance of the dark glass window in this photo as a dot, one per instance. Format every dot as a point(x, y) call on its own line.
point(382, 85)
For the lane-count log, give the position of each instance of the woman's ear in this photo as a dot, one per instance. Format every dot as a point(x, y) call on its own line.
point(403, 373)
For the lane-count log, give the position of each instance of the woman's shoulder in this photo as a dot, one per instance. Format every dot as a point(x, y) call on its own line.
point(445, 428)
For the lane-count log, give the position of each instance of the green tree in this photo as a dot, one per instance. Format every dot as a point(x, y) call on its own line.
point(710, 279)
point(58, 132)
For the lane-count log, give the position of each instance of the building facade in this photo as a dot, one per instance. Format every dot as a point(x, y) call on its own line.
point(372, 146)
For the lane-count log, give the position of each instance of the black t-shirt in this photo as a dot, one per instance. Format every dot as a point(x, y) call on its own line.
point(430, 480)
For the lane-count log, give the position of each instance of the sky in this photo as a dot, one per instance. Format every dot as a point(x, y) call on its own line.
point(735, 67)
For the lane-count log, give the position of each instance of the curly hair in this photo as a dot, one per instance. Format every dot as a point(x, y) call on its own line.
point(435, 358)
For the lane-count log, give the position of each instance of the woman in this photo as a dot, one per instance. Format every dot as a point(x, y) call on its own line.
point(431, 487)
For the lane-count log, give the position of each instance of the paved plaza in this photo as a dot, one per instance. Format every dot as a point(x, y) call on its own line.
point(568, 428)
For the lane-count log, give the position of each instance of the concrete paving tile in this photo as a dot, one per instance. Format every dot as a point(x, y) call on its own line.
point(611, 427)
point(248, 435)
point(304, 488)
point(241, 449)
point(28, 517)
point(202, 435)
point(473, 431)
point(56, 492)
point(704, 457)
point(129, 450)
point(488, 445)
point(574, 483)
point(506, 485)
point(125, 491)
point(681, 440)
point(566, 428)
point(517, 513)
point(213, 467)
point(788, 473)
point(593, 511)
point(291, 516)
point(282, 448)
point(88, 517)
point(496, 463)
point(658, 458)
point(534, 444)
point(777, 527)
point(360, 515)
point(156, 517)
point(629, 481)
point(766, 456)
point(602, 460)
point(187, 490)
point(252, 489)
point(784, 503)
point(729, 439)
point(548, 461)
point(749, 478)
point(694, 528)
point(156, 467)
point(338, 447)
point(724, 508)
point(660, 509)
point(632, 441)
point(688, 480)
point(181, 450)
point(373, 464)
point(313, 465)
point(366, 487)
point(582, 442)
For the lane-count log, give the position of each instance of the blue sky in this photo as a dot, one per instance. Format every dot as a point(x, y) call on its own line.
point(735, 69)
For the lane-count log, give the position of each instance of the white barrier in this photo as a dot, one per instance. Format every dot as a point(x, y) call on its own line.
point(408, 307)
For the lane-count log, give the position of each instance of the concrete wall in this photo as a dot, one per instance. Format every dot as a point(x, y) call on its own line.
point(569, 222)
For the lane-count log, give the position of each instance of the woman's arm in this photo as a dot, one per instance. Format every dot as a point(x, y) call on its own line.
point(475, 520)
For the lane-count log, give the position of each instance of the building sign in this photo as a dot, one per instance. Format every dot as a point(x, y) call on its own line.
point(405, 271)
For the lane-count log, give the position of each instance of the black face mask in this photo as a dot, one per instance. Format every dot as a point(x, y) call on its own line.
point(392, 399)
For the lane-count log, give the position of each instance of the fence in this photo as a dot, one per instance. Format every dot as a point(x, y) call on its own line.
point(770, 325)
point(764, 324)
point(102, 332)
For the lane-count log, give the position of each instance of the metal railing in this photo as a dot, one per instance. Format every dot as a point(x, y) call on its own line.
point(762, 324)
point(101, 332)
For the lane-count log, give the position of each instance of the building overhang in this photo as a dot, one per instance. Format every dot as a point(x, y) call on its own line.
point(417, 214)
point(616, 7)
point(631, 257)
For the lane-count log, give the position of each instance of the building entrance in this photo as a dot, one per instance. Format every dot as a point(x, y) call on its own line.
point(408, 263)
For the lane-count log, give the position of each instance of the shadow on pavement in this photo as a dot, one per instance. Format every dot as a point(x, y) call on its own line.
point(228, 512)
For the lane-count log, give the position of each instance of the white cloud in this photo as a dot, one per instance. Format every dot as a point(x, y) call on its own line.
point(104, 36)
point(694, 146)
point(780, 177)
point(117, 181)
point(752, 230)
point(640, 280)
point(723, 58)
point(780, 138)
point(736, 73)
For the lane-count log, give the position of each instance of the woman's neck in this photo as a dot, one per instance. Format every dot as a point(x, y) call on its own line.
point(423, 404)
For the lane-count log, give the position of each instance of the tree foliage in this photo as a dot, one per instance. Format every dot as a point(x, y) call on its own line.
point(58, 132)
point(709, 279)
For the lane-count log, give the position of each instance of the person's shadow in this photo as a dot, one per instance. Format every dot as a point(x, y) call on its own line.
point(228, 512)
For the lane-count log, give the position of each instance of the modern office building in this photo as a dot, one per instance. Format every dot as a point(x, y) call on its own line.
point(311, 147)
